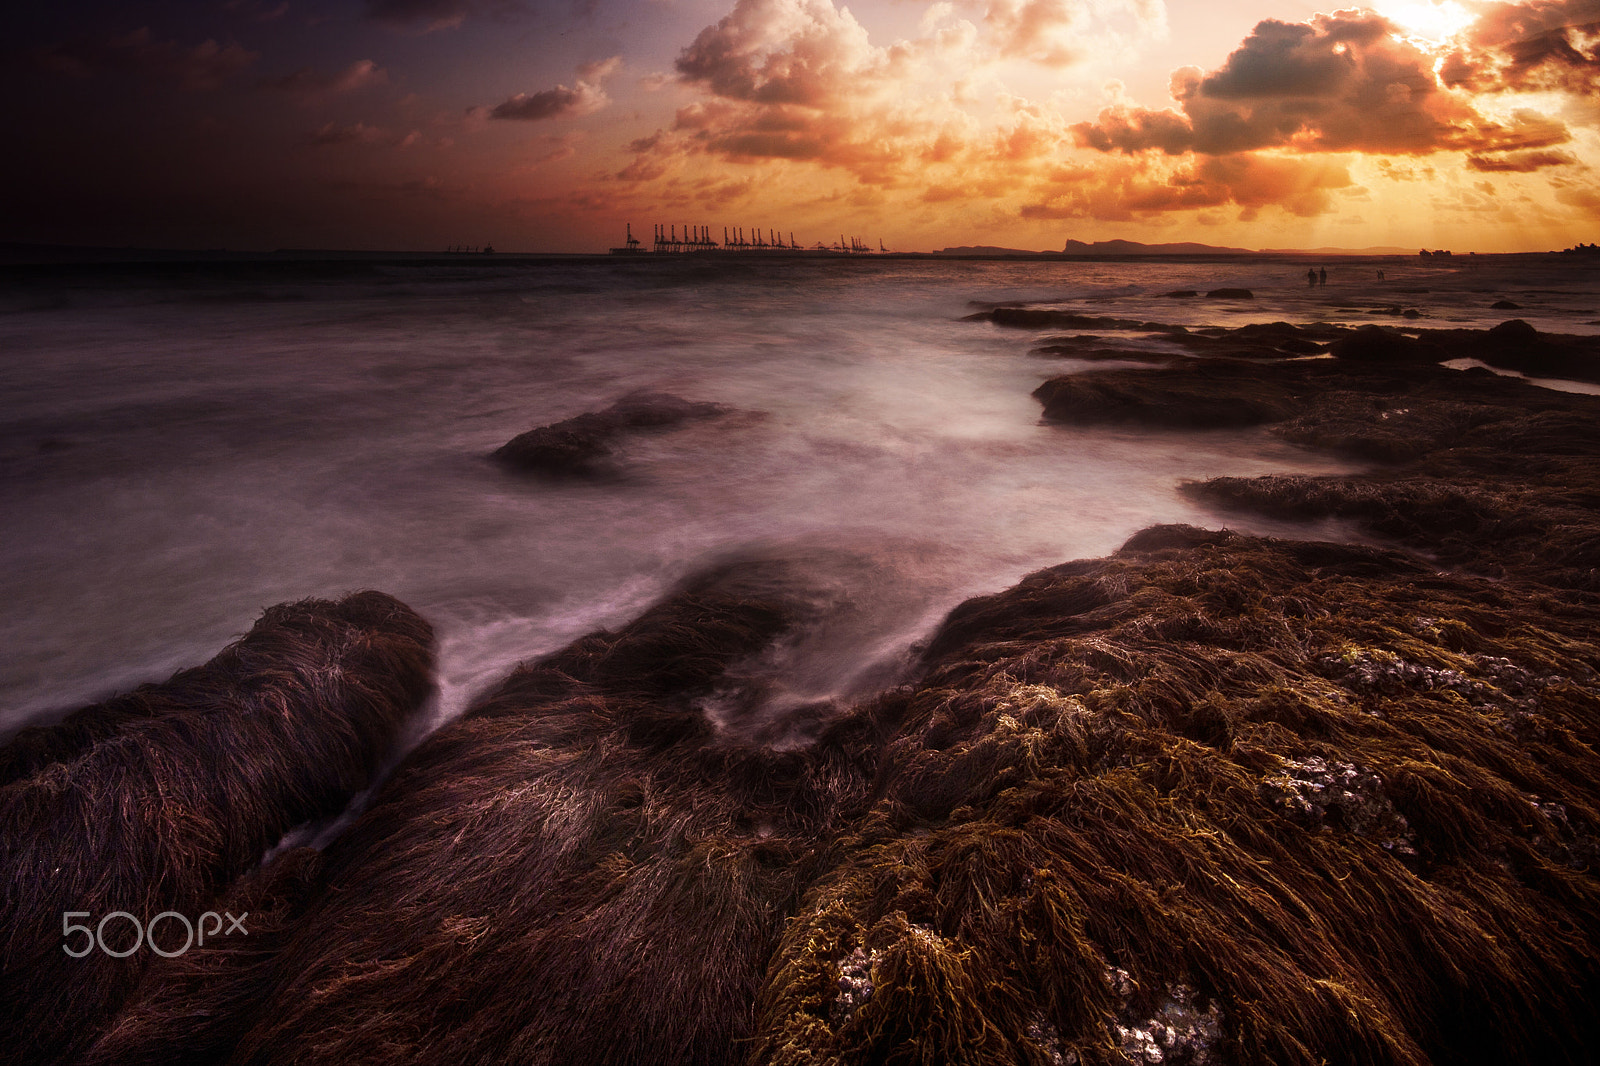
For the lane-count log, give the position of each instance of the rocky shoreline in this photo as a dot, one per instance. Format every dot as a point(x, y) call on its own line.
point(1212, 799)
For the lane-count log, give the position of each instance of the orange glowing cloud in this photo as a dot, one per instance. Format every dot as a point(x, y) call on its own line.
point(1339, 83)
point(801, 81)
point(1539, 47)
point(1135, 188)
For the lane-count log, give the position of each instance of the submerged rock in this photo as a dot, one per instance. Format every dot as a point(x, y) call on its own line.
point(1092, 348)
point(578, 446)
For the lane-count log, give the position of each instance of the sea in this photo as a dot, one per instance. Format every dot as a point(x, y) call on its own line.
point(183, 444)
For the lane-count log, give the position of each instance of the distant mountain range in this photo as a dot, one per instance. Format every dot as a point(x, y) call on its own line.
point(1121, 247)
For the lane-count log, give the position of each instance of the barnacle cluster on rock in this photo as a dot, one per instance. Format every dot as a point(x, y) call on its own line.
point(1177, 1032)
point(1370, 670)
point(1314, 789)
point(855, 985)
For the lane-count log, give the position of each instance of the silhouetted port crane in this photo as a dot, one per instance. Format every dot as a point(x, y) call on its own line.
point(667, 240)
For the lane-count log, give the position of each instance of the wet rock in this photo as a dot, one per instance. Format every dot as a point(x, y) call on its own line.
point(1150, 759)
point(1513, 331)
point(1180, 294)
point(1093, 349)
point(1044, 318)
point(1133, 809)
point(1230, 294)
point(1490, 473)
point(157, 800)
point(1374, 670)
point(1374, 344)
point(1258, 340)
point(1517, 345)
point(579, 446)
point(1505, 305)
point(1195, 394)
point(580, 836)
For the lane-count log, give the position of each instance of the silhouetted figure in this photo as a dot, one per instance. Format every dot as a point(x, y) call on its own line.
point(1311, 277)
point(1380, 275)
point(1322, 276)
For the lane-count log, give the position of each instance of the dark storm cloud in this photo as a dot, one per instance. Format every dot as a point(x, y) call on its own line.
point(1292, 59)
point(1340, 82)
point(195, 68)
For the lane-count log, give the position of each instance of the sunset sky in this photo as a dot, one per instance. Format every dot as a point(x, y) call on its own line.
point(547, 125)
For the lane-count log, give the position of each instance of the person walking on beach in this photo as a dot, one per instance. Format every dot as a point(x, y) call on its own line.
point(1311, 277)
point(1323, 275)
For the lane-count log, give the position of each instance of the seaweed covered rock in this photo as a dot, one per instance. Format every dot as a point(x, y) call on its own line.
point(156, 800)
point(1260, 340)
point(1393, 411)
point(1219, 799)
point(1215, 799)
point(1499, 525)
point(578, 446)
point(1192, 394)
point(1266, 340)
point(1491, 474)
point(581, 869)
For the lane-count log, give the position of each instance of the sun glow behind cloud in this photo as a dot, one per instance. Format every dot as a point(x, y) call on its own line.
point(1434, 23)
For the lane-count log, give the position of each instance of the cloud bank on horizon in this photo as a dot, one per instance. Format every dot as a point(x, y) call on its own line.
point(419, 122)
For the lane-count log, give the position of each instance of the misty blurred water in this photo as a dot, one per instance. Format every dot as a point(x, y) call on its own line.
point(178, 453)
